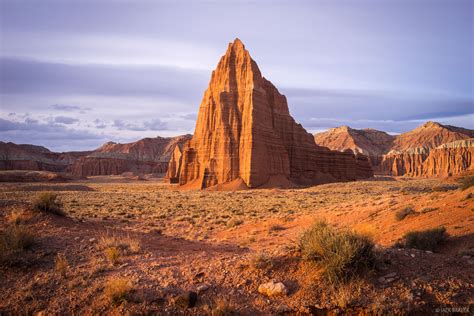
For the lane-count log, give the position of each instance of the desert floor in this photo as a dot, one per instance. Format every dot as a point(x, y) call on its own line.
point(223, 245)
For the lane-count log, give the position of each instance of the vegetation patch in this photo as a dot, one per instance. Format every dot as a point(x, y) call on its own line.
point(16, 238)
point(401, 214)
point(118, 290)
point(466, 183)
point(342, 254)
point(425, 240)
point(47, 202)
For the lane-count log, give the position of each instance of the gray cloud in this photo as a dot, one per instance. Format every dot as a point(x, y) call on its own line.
point(65, 120)
point(149, 125)
point(67, 108)
point(23, 76)
point(50, 134)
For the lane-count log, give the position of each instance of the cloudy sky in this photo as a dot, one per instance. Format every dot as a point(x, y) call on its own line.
point(75, 74)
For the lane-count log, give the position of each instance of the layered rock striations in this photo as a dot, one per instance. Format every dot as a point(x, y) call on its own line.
point(148, 155)
point(245, 135)
point(369, 142)
point(431, 149)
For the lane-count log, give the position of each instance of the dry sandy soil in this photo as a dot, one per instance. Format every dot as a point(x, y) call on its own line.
point(223, 245)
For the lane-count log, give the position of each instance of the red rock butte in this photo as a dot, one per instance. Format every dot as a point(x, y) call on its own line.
point(245, 137)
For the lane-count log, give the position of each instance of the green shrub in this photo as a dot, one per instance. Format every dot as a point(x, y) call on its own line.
point(467, 182)
point(401, 214)
point(47, 202)
point(342, 254)
point(425, 240)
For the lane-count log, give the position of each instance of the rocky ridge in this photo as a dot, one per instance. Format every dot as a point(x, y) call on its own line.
point(414, 153)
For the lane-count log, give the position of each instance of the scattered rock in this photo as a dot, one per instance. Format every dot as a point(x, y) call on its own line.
point(273, 289)
point(92, 240)
point(201, 288)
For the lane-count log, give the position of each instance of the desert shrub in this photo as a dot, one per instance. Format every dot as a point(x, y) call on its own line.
point(15, 238)
point(112, 254)
point(276, 227)
point(222, 307)
point(342, 254)
point(18, 217)
point(118, 290)
point(425, 240)
point(47, 202)
point(466, 182)
point(260, 261)
point(61, 264)
point(125, 244)
point(444, 188)
point(428, 210)
point(234, 222)
point(401, 214)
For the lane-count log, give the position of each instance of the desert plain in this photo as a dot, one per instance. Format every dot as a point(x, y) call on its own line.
point(208, 252)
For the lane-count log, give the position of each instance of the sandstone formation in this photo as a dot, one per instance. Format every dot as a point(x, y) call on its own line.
point(431, 149)
point(148, 155)
point(245, 136)
point(370, 142)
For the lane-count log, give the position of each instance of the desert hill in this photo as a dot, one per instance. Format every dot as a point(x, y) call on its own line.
point(148, 155)
point(407, 153)
point(246, 137)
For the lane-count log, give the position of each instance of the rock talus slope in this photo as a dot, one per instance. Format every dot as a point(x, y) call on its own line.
point(244, 133)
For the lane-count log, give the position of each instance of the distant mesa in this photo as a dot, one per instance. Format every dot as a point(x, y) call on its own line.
point(148, 155)
point(432, 149)
point(246, 138)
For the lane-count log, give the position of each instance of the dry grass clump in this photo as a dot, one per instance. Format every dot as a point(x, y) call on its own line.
point(115, 246)
point(261, 261)
point(112, 254)
point(125, 244)
point(16, 238)
point(47, 202)
point(425, 240)
point(401, 214)
point(466, 183)
point(118, 290)
point(342, 254)
point(222, 307)
point(61, 264)
point(18, 217)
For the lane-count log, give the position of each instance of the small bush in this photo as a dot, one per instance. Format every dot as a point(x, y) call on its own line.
point(118, 290)
point(341, 254)
point(444, 188)
point(47, 202)
point(426, 239)
point(467, 182)
point(222, 307)
point(61, 264)
point(18, 217)
point(16, 238)
point(400, 215)
point(124, 244)
point(234, 222)
point(112, 254)
point(428, 210)
point(260, 261)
